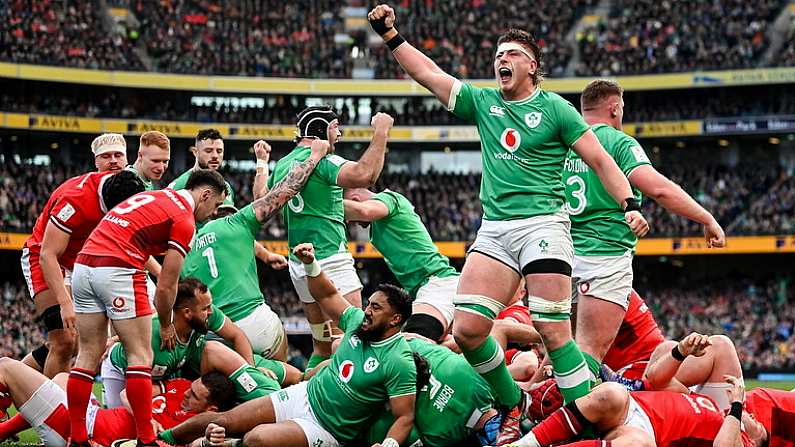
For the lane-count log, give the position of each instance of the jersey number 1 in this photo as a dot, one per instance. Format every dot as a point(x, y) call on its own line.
point(210, 255)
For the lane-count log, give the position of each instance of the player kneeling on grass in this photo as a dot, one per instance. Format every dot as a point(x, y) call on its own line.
point(373, 365)
point(42, 405)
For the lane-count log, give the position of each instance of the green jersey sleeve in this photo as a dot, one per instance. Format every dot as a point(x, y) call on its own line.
point(401, 377)
point(389, 200)
point(464, 102)
point(216, 320)
point(247, 219)
point(329, 168)
point(351, 319)
point(630, 154)
point(271, 181)
point(572, 125)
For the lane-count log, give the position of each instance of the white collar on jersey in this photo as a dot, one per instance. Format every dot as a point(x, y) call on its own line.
point(187, 196)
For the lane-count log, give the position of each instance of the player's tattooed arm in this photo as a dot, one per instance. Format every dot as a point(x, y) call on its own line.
point(291, 185)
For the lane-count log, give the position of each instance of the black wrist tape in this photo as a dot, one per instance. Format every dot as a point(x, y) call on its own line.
point(395, 42)
point(633, 204)
point(379, 26)
point(677, 354)
point(737, 410)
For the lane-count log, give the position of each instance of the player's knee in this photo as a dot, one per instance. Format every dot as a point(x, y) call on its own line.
point(255, 438)
point(722, 344)
point(470, 334)
point(610, 396)
point(62, 344)
point(425, 325)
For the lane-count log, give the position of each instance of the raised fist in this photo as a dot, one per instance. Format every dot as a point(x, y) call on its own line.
point(382, 121)
point(305, 252)
point(381, 18)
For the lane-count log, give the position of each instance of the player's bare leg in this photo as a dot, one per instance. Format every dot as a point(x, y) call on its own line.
point(427, 309)
point(93, 331)
point(485, 281)
point(18, 380)
point(236, 422)
point(281, 434)
point(707, 371)
point(135, 334)
point(62, 343)
point(598, 322)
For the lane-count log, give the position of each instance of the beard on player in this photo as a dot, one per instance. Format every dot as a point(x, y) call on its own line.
point(372, 328)
point(199, 324)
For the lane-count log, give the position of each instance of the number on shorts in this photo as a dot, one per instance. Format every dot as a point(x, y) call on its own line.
point(210, 255)
point(578, 194)
point(133, 203)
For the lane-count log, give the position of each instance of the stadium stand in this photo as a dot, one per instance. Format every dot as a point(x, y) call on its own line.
point(655, 37)
point(105, 102)
point(450, 207)
point(71, 34)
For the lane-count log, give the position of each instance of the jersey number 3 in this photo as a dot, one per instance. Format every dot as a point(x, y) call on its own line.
point(578, 194)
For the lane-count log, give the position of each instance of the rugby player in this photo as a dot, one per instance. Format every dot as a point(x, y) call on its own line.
point(645, 419)
point(110, 152)
point(110, 283)
point(203, 194)
point(525, 134)
point(603, 243)
point(154, 153)
point(317, 216)
point(224, 259)
point(194, 316)
point(400, 236)
point(373, 365)
point(42, 405)
point(209, 154)
point(48, 256)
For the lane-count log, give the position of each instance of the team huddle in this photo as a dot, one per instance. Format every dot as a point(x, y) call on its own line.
point(540, 340)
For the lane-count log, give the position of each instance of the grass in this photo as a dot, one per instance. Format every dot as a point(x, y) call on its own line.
point(29, 437)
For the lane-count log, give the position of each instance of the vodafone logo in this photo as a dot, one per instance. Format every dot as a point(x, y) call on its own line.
point(118, 302)
point(346, 370)
point(585, 287)
point(510, 139)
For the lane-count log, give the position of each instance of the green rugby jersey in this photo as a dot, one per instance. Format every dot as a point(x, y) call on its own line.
point(360, 379)
point(406, 245)
point(523, 145)
point(598, 227)
point(165, 362)
point(223, 258)
point(148, 184)
point(316, 214)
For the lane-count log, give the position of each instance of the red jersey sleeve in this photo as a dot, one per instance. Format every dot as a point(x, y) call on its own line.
point(181, 235)
point(66, 215)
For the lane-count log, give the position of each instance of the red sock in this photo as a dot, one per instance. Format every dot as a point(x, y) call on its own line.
point(590, 443)
point(139, 393)
point(559, 427)
point(13, 426)
point(78, 394)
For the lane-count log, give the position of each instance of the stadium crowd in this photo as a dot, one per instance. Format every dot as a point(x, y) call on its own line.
point(641, 106)
point(449, 204)
point(649, 36)
point(310, 38)
point(71, 34)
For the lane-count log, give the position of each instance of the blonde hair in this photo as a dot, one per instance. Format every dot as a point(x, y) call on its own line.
point(156, 138)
